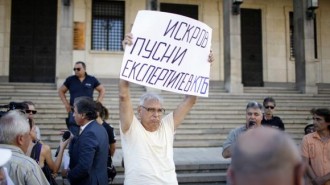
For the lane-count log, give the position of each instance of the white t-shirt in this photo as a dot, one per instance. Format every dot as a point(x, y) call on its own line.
point(148, 156)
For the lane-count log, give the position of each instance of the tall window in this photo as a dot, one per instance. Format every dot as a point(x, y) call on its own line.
point(292, 49)
point(108, 20)
point(315, 38)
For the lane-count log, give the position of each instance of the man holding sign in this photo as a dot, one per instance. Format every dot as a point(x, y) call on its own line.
point(147, 139)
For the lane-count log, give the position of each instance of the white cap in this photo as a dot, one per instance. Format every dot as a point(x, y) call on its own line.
point(5, 155)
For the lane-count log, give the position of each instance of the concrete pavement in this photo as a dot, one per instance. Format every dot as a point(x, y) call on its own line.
point(209, 155)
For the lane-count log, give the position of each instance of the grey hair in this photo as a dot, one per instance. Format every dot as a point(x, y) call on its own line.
point(150, 96)
point(86, 105)
point(12, 124)
point(255, 105)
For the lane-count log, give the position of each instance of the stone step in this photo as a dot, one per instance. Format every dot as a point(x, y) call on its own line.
point(207, 124)
point(276, 90)
point(198, 178)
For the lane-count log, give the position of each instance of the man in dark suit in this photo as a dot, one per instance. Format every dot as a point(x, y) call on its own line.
point(88, 151)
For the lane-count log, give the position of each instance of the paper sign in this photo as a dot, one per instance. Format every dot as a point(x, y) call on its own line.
point(169, 52)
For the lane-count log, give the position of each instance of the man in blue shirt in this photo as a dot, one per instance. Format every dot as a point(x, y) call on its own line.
point(80, 84)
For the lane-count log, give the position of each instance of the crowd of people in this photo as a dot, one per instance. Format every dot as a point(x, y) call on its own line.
point(262, 147)
point(90, 140)
point(260, 150)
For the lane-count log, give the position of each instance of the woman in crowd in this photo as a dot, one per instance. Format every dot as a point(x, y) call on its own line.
point(102, 115)
point(41, 153)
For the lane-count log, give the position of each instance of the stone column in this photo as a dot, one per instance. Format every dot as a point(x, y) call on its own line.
point(65, 47)
point(232, 49)
point(304, 49)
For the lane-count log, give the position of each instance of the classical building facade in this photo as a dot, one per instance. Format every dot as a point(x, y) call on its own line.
point(255, 43)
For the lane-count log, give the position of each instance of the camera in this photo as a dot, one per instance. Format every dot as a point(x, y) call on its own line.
point(12, 106)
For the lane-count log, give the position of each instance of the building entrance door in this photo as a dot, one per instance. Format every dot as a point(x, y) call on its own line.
point(251, 33)
point(33, 41)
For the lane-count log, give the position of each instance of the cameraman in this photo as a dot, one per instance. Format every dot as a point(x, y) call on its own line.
point(253, 120)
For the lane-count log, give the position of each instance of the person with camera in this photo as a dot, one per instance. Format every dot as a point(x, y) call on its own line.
point(253, 119)
point(41, 153)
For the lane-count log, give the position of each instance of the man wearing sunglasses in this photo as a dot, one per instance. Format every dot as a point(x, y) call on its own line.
point(269, 119)
point(79, 84)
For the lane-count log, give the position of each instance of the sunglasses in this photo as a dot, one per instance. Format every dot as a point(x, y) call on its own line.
point(271, 107)
point(76, 69)
point(29, 111)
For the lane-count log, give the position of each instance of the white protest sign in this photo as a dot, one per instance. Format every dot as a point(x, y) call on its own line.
point(169, 52)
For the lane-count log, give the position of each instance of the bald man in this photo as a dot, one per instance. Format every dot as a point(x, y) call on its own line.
point(266, 156)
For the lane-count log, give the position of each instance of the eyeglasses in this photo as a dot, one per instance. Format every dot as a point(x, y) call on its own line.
point(29, 111)
point(317, 119)
point(271, 107)
point(153, 110)
point(76, 69)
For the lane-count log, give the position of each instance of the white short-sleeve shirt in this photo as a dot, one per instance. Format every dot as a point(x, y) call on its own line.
point(148, 155)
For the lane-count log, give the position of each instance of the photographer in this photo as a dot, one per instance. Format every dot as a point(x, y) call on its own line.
point(253, 120)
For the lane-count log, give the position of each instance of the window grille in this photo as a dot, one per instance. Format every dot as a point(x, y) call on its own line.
point(292, 50)
point(315, 38)
point(108, 20)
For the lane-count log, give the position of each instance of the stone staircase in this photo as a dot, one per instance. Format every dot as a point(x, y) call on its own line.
point(206, 126)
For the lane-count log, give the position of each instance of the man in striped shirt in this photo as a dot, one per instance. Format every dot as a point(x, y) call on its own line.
point(15, 135)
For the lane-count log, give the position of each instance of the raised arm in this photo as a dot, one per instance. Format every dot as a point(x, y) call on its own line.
point(54, 165)
point(61, 93)
point(125, 106)
point(101, 91)
point(182, 110)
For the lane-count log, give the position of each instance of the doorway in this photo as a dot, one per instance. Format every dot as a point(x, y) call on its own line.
point(251, 33)
point(33, 41)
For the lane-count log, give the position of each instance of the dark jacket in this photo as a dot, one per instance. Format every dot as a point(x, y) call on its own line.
point(88, 156)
